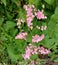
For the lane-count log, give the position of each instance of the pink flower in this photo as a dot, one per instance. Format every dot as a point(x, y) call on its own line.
point(29, 20)
point(29, 23)
point(26, 56)
point(37, 38)
point(35, 50)
point(44, 51)
point(29, 15)
point(29, 9)
point(40, 15)
point(30, 50)
point(21, 35)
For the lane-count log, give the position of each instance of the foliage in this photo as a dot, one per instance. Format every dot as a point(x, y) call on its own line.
point(11, 49)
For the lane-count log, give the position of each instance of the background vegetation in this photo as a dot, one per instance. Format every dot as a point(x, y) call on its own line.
point(11, 49)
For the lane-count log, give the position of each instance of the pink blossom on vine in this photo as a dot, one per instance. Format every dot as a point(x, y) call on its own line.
point(29, 15)
point(21, 35)
point(26, 56)
point(44, 51)
point(29, 23)
point(40, 15)
point(37, 38)
point(35, 50)
point(30, 50)
point(27, 8)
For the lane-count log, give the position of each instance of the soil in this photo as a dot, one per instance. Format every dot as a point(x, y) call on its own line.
point(47, 60)
point(50, 63)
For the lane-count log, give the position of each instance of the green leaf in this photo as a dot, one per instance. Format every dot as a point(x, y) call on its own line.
point(56, 60)
point(37, 3)
point(12, 55)
point(22, 62)
point(35, 31)
point(29, 38)
point(19, 41)
point(15, 1)
point(56, 10)
point(13, 31)
point(9, 25)
point(34, 57)
point(31, 1)
point(54, 18)
point(21, 45)
point(50, 2)
point(49, 43)
point(4, 2)
point(1, 21)
point(22, 14)
point(9, 15)
point(0, 63)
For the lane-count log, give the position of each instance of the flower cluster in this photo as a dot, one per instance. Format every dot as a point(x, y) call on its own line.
point(31, 13)
point(42, 27)
point(44, 51)
point(19, 22)
point(40, 15)
point(37, 38)
point(21, 35)
point(31, 50)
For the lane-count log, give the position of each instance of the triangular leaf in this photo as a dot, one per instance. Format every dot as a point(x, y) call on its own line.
point(4, 2)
